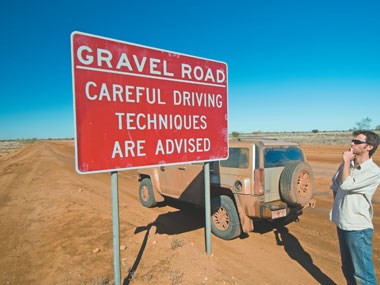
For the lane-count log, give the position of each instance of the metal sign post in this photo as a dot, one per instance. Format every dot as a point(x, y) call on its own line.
point(207, 208)
point(115, 226)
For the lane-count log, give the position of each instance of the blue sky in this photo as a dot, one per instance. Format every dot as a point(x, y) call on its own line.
point(292, 65)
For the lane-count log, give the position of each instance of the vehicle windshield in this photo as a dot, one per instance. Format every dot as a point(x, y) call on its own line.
point(237, 158)
point(280, 156)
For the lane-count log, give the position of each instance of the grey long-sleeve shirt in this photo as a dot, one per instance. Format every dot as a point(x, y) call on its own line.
point(352, 209)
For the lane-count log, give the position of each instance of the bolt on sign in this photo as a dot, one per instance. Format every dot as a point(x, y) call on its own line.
point(138, 106)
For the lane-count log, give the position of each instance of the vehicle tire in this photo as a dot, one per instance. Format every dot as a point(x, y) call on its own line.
point(296, 183)
point(146, 193)
point(225, 222)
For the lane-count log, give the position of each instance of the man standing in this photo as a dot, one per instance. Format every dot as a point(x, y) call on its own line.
point(353, 186)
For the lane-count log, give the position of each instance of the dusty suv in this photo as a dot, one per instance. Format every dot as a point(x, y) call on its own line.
point(261, 179)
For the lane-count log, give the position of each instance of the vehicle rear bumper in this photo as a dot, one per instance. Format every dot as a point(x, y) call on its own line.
point(274, 210)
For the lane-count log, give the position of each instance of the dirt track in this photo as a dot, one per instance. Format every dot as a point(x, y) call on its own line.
point(56, 228)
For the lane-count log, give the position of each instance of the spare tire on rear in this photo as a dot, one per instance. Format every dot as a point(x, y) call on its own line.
point(296, 183)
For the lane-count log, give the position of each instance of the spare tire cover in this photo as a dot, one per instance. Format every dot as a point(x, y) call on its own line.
point(296, 183)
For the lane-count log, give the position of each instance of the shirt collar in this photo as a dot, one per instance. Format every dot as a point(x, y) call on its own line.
point(364, 165)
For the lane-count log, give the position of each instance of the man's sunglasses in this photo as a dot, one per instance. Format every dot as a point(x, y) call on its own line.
point(358, 141)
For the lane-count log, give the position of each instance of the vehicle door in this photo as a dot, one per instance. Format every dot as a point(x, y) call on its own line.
point(183, 181)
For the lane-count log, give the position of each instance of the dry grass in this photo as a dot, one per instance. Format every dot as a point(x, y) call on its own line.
point(7, 146)
point(308, 138)
point(175, 277)
point(176, 243)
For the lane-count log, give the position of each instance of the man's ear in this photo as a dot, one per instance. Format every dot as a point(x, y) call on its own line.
point(369, 147)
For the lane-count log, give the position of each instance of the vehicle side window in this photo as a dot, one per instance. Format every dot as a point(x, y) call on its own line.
point(238, 158)
point(279, 156)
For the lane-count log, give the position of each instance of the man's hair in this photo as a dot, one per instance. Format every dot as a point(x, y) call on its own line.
point(371, 139)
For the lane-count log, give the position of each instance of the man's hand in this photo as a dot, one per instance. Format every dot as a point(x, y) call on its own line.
point(348, 156)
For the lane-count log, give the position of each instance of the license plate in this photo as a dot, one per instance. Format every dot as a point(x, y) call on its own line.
point(278, 213)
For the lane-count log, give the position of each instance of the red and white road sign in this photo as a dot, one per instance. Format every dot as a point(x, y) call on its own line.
point(137, 106)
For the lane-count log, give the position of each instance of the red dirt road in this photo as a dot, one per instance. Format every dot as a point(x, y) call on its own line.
point(56, 228)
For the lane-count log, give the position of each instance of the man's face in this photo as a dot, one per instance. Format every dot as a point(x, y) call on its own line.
point(359, 145)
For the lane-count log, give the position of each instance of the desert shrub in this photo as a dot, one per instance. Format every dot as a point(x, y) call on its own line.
point(314, 131)
point(235, 134)
point(177, 243)
point(175, 277)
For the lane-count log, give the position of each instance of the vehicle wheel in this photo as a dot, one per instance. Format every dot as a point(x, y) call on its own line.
point(296, 183)
point(146, 193)
point(225, 221)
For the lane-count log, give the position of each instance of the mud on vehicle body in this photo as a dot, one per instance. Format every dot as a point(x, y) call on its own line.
point(261, 179)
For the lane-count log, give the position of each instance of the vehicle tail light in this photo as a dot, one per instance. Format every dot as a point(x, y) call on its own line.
point(259, 184)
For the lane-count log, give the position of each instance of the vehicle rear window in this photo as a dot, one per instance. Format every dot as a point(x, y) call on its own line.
point(279, 156)
point(237, 158)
